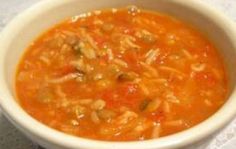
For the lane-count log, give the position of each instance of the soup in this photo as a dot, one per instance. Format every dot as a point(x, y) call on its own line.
point(120, 75)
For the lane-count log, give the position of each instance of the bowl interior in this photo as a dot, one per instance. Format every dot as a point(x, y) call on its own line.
point(37, 20)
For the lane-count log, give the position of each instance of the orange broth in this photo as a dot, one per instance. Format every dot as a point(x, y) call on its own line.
point(120, 75)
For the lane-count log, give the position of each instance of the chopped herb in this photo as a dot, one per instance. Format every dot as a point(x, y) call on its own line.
point(143, 105)
point(130, 76)
point(148, 105)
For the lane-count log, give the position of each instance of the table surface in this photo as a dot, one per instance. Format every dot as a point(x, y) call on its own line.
point(11, 138)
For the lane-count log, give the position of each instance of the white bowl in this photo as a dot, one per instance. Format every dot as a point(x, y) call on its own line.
point(29, 24)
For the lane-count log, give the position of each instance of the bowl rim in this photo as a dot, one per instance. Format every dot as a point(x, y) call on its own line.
point(25, 122)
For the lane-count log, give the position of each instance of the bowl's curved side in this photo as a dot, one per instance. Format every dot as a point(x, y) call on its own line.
point(20, 32)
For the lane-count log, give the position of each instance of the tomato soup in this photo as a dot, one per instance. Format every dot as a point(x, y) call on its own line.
point(120, 75)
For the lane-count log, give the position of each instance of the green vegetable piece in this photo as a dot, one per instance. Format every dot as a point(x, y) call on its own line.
point(143, 105)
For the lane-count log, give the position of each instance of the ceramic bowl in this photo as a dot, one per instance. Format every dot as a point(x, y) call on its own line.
point(30, 24)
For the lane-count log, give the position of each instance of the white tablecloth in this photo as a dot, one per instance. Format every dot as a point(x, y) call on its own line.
point(10, 138)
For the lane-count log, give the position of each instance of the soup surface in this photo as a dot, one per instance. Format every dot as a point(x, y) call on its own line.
point(121, 74)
